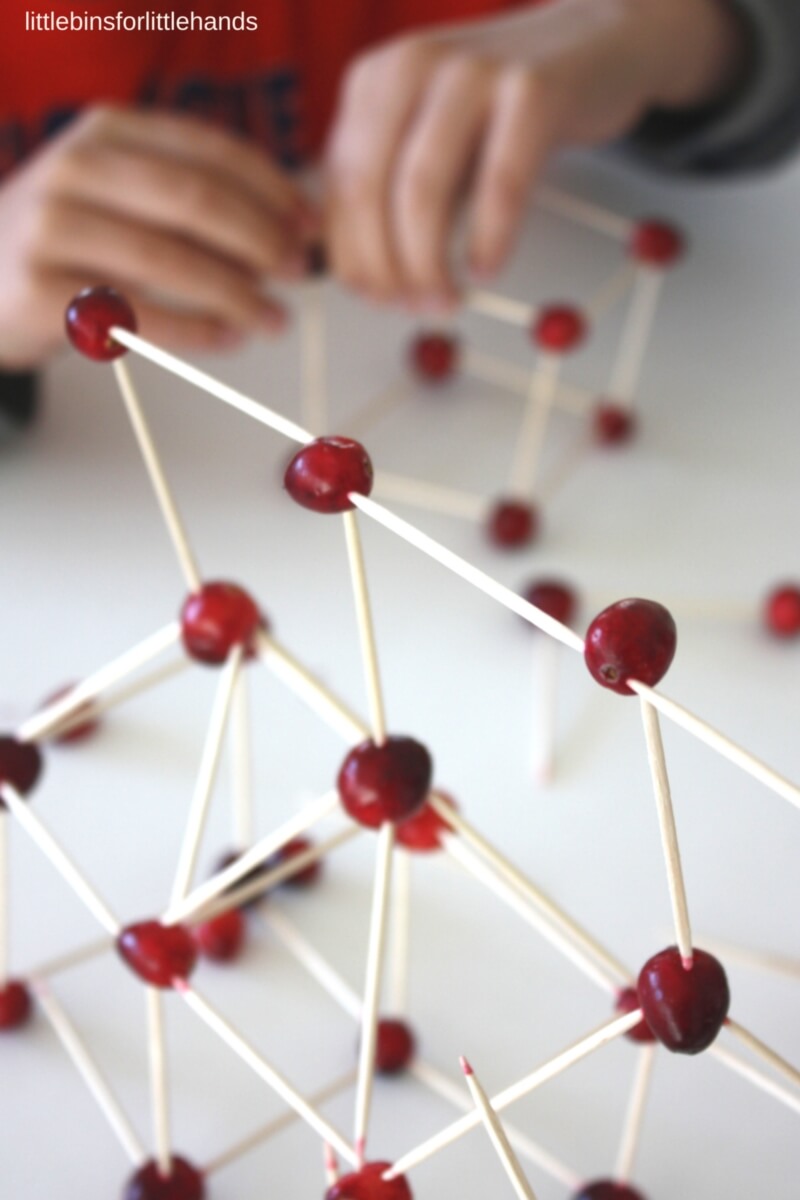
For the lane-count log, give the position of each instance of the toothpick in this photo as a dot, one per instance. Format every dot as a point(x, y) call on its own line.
point(313, 334)
point(473, 575)
point(106, 702)
point(330, 1164)
point(372, 984)
point(520, 882)
point(631, 1134)
point(158, 479)
point(206, 776)
point(488, 368)
point(579, 1050)
point(582, 212)
point(159, 1081)
point(754, 1076)
point(4, 900)
point(438, 1083)
point(266, 1071)
point(503, 308)
point(400, 917)
point(497, 1135)
point(277, 1125)
point(480, 871)
point(317, 966)
point(745, 956)
point(270, 879)
point(59, 858)
point(73, 958)
point(669, 833)
point(385, 402)
point(723, 745)
point(366, 630)
point(764, 1052)
point(42, 723)
point(319, 698)
point(431, 496)
point(636, 334)
point(242, 763)
point(207, 383)
point(611, 292)
point(205, 892)
point(90, 1072)
point(545, 690)
point(530, 442)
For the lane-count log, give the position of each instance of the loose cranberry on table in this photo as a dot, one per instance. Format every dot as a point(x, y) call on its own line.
point(632, 639)
point(385, 783)
point(685, 1008)
point(91, 316)
point(216, 618)
point(322, 475)
point(367, 1184)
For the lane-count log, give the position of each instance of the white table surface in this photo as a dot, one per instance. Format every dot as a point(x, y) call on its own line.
point(700, 512)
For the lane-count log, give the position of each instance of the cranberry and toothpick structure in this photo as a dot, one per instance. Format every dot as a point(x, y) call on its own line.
point(386, 790)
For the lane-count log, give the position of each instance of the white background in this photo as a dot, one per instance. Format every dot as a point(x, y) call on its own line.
point(701, 512)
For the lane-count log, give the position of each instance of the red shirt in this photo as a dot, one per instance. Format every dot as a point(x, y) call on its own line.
point(276, 82)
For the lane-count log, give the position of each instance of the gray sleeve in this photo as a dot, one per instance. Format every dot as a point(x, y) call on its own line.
point(757, 126)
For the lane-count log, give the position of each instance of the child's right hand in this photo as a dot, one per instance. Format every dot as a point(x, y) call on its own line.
point(183, 217)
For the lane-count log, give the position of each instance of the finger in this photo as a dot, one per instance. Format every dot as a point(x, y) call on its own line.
point(378, 103)
point(79, 239)
point(189, 139)
point(520, 137)
point(177, 196)
point(436, 158)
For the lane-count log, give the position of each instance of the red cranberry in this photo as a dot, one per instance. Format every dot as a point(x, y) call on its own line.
point(782, 611)
point(512, 523)
point(217, 618)
point(158, 954)
point(612, 424)
point(367, 1184)
point(553, 597)
point(385, 783)
point(184, 1182)
point(434, 356)
point(89, 320)
point(627, 1001)
point(322, 475)
point(656, 244)
point(308, 875)
point(395, 1046)
point(424, 831)
point(88, 721)
point(15, 1005)
point(231, 856)
point(559, 328)
point(606, 1189)
point(20, 764)
point(221, 938)
point(632, 639)
point(685, 1008)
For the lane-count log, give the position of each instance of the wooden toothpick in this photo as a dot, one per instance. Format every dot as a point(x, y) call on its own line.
point(497, 1135)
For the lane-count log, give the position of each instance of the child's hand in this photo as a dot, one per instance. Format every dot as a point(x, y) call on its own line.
point(184, 218)
point(425, 119)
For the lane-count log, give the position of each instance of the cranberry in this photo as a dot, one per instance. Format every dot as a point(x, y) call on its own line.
point(215, 619)
point(90, 318)
point(88, 721)
point(20, 764)
point(559, 329)
point(782, 611)
point(612, 424)
point(158, 954)
point(627, 1001)
point(684, 1007)
point(395, 1046)
point(512, 523)
point(556, 599)
point(632, 639)
point(221, 938)
point(367, 1184)
point(434, 356)
point(423, 832)
point(15, 1005)
point(322, 475)
point(305, 877)
point(184, 1182)
point(606, 1189)
point(385, 783)
point(656, 244)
